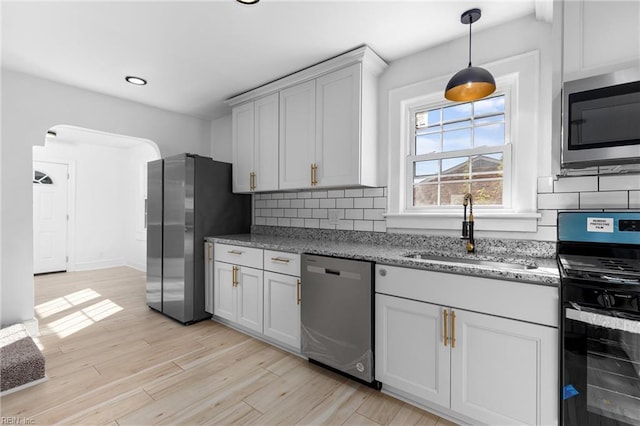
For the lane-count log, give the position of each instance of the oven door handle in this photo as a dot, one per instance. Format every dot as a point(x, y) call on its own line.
point(605, 321)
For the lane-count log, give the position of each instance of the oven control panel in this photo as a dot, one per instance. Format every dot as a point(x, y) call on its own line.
point(629, 225)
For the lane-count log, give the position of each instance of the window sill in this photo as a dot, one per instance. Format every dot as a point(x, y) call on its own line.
point(452, 221)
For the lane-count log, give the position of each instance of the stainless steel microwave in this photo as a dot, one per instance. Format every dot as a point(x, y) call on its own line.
point(601, 120)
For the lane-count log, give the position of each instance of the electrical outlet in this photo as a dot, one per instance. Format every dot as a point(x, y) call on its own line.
point(334, 217)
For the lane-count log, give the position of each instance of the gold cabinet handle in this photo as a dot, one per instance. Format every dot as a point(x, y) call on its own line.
point(234, 276)
point(453, 329)
point(235, 252)
point(446, 339)
point(298, 292)
point(252, 181)
point(315, 175)
point(311, 174)
point(209, 252)
point(280, 259)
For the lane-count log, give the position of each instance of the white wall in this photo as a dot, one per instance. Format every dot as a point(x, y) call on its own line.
point(221, 149)
point(29, 107)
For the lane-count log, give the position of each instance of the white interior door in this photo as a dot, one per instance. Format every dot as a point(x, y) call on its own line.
point(49, 217)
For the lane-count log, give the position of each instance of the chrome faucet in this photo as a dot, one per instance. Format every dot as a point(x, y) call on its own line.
point(467, 225)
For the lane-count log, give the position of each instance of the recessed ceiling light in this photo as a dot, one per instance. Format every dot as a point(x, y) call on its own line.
point(247, 1)
point(136, 80)
point(51, 133)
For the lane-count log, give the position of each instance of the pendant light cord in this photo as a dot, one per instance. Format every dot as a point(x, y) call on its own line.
point(470, 22)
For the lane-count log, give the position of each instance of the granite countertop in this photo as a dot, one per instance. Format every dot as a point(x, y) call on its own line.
point(388, 253)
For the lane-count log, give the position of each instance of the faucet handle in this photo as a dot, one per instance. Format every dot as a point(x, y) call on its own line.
point(465, 230)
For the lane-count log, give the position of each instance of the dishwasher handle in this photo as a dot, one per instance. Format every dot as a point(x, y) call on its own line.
point(335, 272)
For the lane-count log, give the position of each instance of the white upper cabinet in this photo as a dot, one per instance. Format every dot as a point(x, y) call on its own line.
point(600, 37)
point(255, 132)
point(297, 136)
point(327, 135)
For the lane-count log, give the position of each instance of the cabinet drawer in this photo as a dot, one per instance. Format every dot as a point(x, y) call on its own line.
point(238, 255)
point(282, 262)
point(510, 299)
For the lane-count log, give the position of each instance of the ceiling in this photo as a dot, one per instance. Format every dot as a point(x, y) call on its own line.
point(197, 54)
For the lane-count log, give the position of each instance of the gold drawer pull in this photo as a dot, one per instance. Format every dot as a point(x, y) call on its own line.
point(252, 181)
point(446, 339)
point(235, 252)
point(280, 259)
point(299, 299)
point(209, 252)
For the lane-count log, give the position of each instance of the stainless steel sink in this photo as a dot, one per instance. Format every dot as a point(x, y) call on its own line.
point(491, 263)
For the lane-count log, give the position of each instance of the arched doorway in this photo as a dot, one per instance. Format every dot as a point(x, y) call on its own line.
point(104, 216)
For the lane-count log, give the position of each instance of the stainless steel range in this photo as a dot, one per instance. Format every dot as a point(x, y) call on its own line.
point(599, 261)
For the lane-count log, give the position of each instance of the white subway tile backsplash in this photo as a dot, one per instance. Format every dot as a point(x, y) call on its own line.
point(272, 203)
point(603, 200)
point(545, 184)
point(634, 199)
point(304, 194)
point(284, 221)
point(335, 193)
point(312, 223)
point(298, 223)
point(264, 196)
point(353, 214)
point(319, 194)
point(297, 204)
point(344, 203)
point(277, 212)
point(558, 201)
point(548, 218)
point(363, 225)
point(576, 184)
point(277, 196)
point(373, 192)
point(363, 203)
point(312, 203)
point(272, 221)
point(379, 226)
point(338, 212)
point(353, 193)
point(319, 214)
point(345, 225)
point(373, 214)
point(284, 204)
point(380, 203)
point(261, 221)
point(324, 224)
point(304, 213)
point(328, 203)
point(290, 212)
point(290, 195)
point(619, 183)
point(260, 204)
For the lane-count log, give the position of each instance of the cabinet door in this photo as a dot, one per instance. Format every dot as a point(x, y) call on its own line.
point(282, 308)
point(242, 122)
point(224, 295)
point(266, 143)
point(338, 118)
point(249, 294)
point(208, 277)
point(297, 135)
point(410, 351)
point(504, 371)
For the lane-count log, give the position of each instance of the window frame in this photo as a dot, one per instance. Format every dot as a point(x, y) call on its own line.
point(436, 101)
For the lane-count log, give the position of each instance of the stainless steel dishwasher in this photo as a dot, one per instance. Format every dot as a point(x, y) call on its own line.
point(337, 315)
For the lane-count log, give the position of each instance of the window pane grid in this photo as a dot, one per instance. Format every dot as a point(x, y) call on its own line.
point(458, 149)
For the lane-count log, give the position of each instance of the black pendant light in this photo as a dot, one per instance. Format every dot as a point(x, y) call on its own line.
point(470, 83)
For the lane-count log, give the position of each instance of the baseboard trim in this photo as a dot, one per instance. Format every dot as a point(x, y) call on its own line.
point(32, 326)
point(26, 385)
point(98, 264)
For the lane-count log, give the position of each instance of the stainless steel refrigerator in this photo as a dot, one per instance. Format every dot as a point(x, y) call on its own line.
point(188, 198)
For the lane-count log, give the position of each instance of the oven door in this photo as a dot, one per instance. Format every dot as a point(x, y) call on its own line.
point(601, 367)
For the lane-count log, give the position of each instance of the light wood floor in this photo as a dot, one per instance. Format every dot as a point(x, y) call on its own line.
point(111, 360)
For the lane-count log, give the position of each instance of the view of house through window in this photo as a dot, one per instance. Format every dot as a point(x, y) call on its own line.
point(459, 149)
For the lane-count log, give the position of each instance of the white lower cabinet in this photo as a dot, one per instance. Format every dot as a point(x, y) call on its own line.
point(256, 289)
point(237, 294)
point(478, 367)
point(282, 308)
